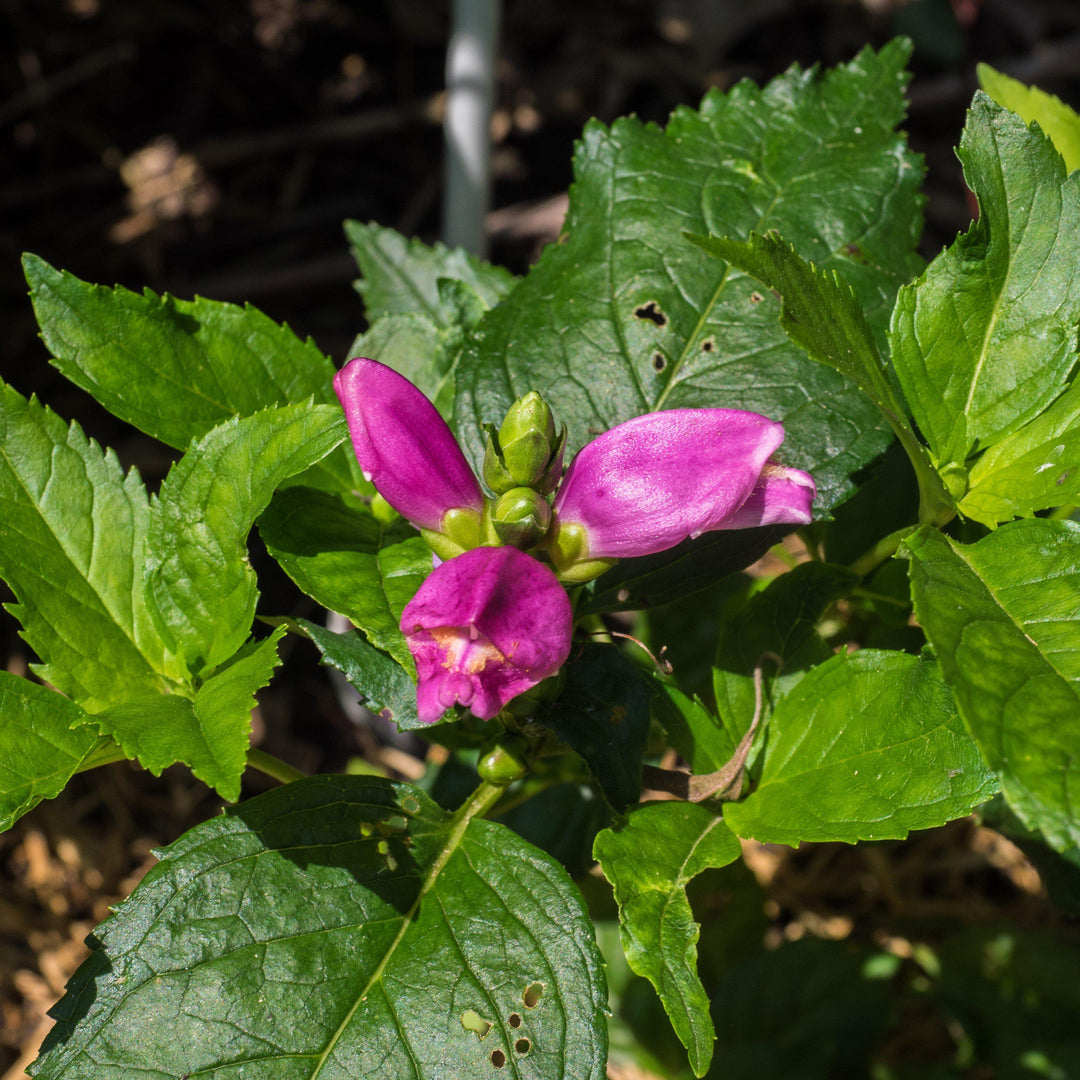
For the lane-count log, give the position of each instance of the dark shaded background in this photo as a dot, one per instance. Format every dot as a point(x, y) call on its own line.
point(215, 146)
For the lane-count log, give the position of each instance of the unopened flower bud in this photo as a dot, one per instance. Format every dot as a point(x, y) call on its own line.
point(504, 760)
point(526, 451)
point(521, 517)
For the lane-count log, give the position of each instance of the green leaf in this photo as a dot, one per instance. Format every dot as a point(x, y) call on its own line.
point(401, 276)
point(1059, 123)
point(1003, 616)
point(649, 860)
point(199, 580)
point(1035, 468)
point(72, 547)
point(382, 683)
point(332, 550)
point(603, 714)
point(694, 732)
point(340, 926)
point(781, 619)
point(821, 313)
point(41, 745)
point(210, 733)
point(654, 325)
point(868, 746)
point(176, 368)
point(986, 338)
point(681, 571)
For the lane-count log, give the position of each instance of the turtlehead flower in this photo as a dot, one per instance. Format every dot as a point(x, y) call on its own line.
point(646, 485)
point(483, 628)
point(492, 621)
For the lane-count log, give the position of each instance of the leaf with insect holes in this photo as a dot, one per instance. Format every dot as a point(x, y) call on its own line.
point(626, 317)
point(340, 926)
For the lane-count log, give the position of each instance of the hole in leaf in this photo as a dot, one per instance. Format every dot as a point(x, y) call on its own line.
point(756, 298)
point(708, 345)
point(652, 312)
point(410, 805)
point(523, 1046)
point(471, 1020)
point(659, 361)
point(622, 595)
point(498, 1058)
point(514, 1020)
point(532, 994)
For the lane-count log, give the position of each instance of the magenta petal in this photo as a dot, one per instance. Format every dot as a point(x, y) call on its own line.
point(780, 497)
point(483, 628)
point(648, 484)
point(403, 445)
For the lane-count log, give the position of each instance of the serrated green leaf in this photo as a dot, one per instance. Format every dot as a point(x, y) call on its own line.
point(41, 745)
point(1059, 122)
point(603, 714)
point(1003, 616)
point(199, 582)
point(1035, 468)
point(401, 276)
point(332, 550)
point(340, 927)
point(649, 860)
point(209, 733)
point(624, 317)
point(868, 746)
point(383, 684)
point(780, 619)
point(820, 313)
point(986, 338)
point(72, 540)
point(176, 368)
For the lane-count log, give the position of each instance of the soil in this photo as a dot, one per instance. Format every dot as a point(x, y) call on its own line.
point(215, 146)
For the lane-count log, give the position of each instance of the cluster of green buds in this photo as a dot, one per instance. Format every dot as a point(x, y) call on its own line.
point(522, 466)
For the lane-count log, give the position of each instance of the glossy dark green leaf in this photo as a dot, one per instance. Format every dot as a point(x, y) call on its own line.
point(340, 927)
point(72, 548)
point(382, 683)
point(603, 714)
point(42, 745)
point(868, 746)
point(334, 552)
point(626, 317)
point(177, 368)
point(649, 860)
point(986, 338)
point(692, 730)
point(1003, 615)
point(681, 571)
point(199, 581)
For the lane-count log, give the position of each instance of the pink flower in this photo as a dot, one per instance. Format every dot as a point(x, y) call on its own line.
point(404, 446)
point(646, 485)
point(483, 628)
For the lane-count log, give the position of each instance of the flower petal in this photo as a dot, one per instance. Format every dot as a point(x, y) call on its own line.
point(648, 484)
point(483, 628)
point(403, 445)
point(780, 497)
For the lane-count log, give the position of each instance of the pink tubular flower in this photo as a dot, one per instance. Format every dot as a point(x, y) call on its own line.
point(403, 445)
point(483, 628)
point(648, 484)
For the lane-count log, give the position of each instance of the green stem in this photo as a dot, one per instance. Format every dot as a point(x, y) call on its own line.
point(884, 549)
point(272, 766)
point(936, 505)
point(594, 626)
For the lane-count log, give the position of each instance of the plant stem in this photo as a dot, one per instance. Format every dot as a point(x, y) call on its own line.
point(884, 549)
point(272, 766)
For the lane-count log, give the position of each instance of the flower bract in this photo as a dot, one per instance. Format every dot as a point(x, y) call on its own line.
point(483, 628)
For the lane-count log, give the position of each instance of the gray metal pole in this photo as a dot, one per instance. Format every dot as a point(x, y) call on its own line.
point(470, 93)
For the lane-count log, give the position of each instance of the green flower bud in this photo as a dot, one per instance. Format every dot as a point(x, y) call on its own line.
point(568, 547)
point(521, 517)
point(504, 760)
point(526, 451)
point(460, 532)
